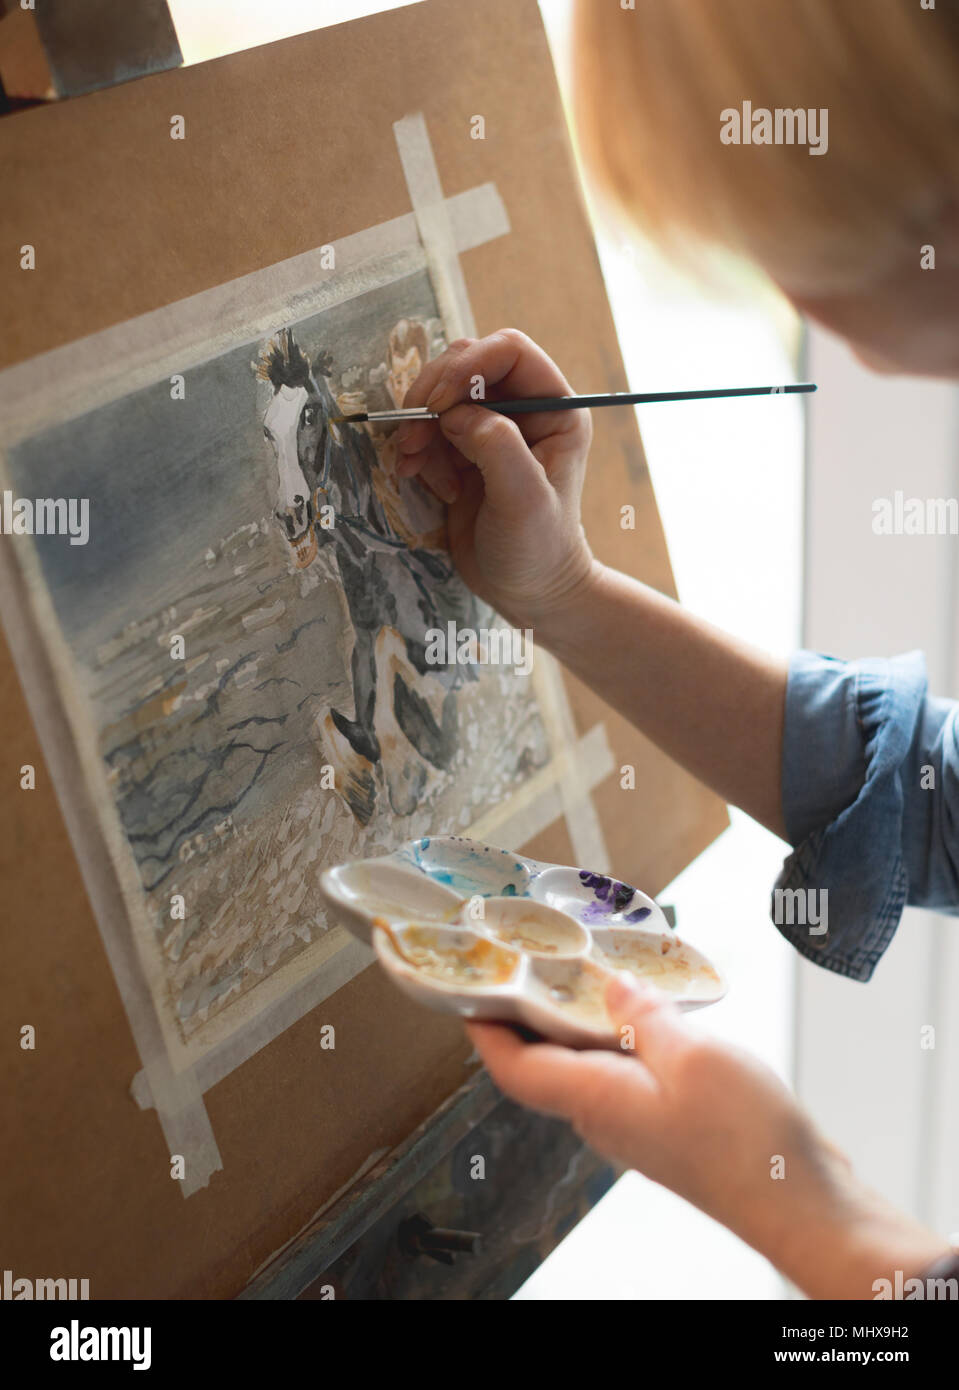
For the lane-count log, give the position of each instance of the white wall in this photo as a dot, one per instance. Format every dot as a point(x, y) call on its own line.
point(860, 1067)
point(210, 28)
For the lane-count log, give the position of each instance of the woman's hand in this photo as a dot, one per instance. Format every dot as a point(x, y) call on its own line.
point(721, 1130)
point(697, 1116)
point(513, 485)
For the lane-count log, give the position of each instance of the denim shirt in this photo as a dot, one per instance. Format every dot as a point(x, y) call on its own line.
point(871, 806)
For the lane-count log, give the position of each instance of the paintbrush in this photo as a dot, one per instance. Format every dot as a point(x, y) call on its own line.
point(533, 404)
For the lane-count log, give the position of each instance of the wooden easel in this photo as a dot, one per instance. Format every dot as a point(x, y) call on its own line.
point(417, 1225)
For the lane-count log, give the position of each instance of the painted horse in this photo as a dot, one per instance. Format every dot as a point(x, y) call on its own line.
point(393, 592)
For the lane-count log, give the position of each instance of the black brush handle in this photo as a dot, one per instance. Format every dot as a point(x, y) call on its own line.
point(537, 403)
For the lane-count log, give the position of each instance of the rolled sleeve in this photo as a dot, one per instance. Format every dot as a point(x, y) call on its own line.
point(870, 803)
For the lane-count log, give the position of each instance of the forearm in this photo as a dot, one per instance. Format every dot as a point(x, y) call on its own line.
point(842, 1244)
point(712, 703)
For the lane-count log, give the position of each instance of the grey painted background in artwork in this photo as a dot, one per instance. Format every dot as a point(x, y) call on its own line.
point(215, 762)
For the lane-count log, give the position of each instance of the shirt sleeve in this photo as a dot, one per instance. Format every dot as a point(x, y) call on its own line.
point(871, 806)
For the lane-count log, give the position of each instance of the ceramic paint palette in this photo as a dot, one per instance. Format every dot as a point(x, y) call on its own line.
point(477, 931)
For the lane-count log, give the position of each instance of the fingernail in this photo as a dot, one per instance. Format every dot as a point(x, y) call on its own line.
point(407, 465)
point(437, 395)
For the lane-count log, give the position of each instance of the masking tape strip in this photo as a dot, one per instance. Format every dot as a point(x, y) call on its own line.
point(449, 284)
point(214, 1065)
point(182, 1114)
point(582, 821)
point(103, 367)
point(435, 225)
point(533, 808)
point(117, 361)
point(186, 1125)
point(526, 814)
point(122, 359)
point(477, 216)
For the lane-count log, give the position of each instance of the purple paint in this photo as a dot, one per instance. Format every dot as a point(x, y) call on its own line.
point(612, 898)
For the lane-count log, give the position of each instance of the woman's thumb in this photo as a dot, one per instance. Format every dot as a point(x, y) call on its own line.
point(647, 1022)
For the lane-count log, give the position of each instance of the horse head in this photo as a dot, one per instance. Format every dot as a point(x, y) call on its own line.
point(298, 426)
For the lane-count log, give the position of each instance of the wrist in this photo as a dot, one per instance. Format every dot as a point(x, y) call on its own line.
point(836, 1239)
point(561, 623)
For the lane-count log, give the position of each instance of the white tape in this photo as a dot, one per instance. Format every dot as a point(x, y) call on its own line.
point(183, 1115)
point(440, 244)
point(435, 225)
point(582, 821)
point(121, 360)
point(214, 1065)
point(533, 807)
point(92, 372)
point(118, 361)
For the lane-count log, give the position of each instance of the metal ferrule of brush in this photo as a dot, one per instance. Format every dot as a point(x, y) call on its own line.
point(415, 412)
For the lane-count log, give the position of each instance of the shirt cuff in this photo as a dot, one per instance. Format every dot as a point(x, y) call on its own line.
point(848, 730)
point(824, 763)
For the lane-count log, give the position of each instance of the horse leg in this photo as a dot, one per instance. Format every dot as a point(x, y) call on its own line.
point(354, 774)
point(434, 741)
point(360, 730)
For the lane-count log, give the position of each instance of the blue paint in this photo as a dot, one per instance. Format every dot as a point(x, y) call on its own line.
point(468, 884)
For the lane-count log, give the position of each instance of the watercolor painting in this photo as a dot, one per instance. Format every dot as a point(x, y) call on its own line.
point(248, 626)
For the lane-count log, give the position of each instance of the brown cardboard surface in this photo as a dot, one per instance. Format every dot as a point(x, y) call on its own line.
point(288, 147)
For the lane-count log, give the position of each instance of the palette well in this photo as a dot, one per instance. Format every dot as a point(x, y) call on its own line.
point(470, 929)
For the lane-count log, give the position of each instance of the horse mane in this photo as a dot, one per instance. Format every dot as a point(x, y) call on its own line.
point(282, 363)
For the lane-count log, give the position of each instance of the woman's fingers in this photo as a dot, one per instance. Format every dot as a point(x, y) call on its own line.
point(412, 437)
point(539, 1075)
point(559, 1081)
point(514, 480)
point(438, 471)
point(430, 377)
point(461, 518)
point(507, 360)
point(507, 364)
point(563, 1082)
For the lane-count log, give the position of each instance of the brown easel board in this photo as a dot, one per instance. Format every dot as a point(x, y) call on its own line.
point(180, 225)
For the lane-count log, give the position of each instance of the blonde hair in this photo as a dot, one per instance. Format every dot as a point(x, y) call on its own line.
point(653, 78)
